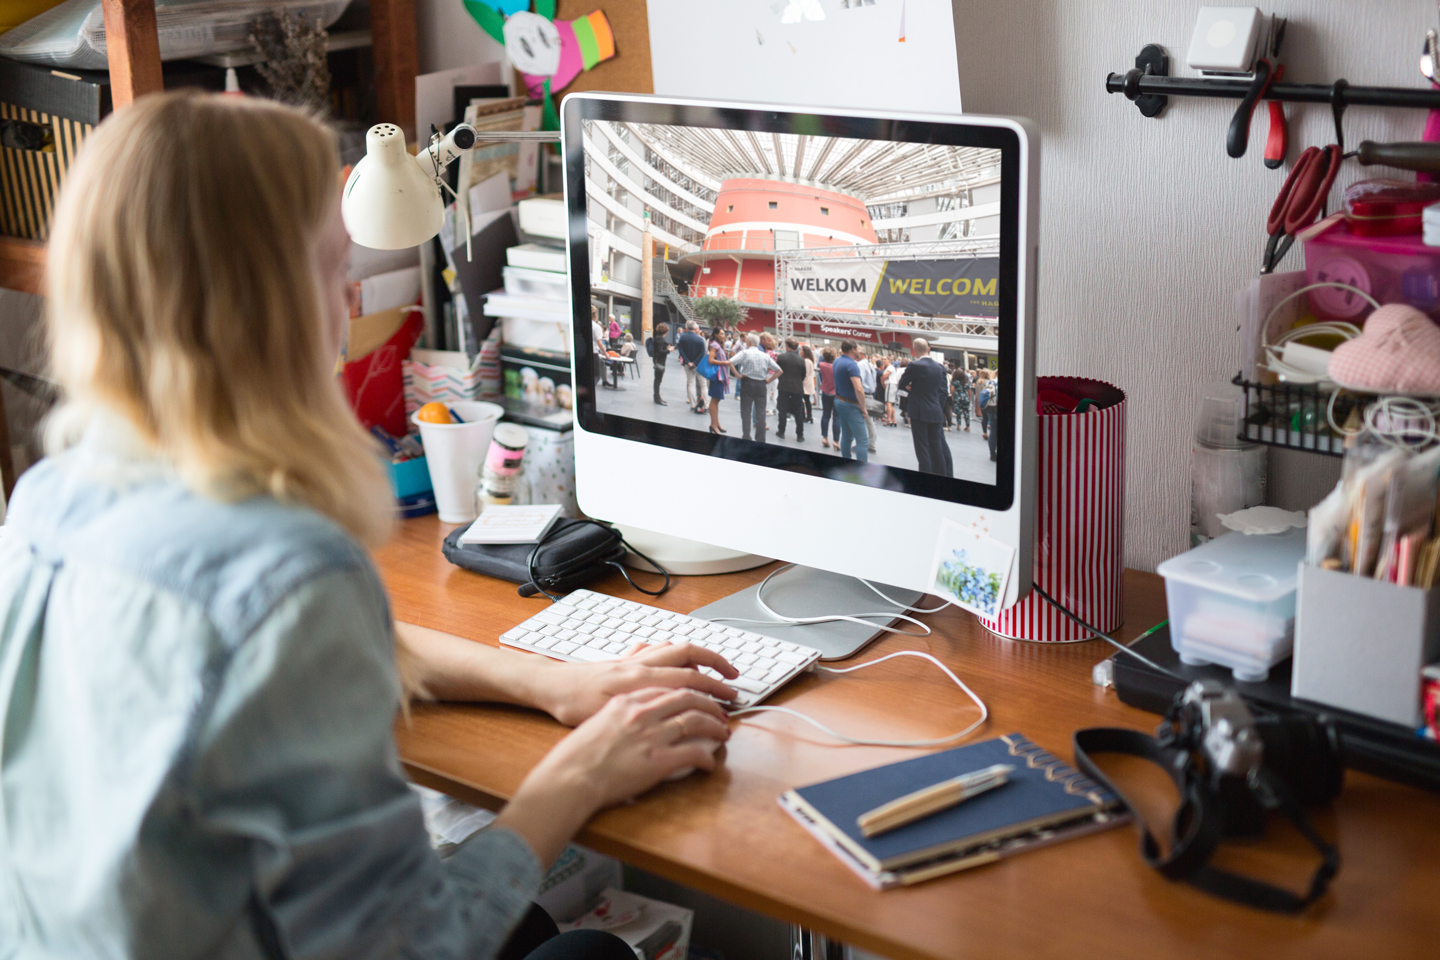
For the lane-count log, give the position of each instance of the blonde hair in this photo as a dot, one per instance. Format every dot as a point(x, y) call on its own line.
point(185, 295)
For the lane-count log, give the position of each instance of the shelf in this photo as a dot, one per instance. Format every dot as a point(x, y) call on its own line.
point(340, 40)
point(1296, 416)
point(22, 264)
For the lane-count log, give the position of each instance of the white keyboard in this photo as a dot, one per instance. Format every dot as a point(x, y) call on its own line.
point(587, 626)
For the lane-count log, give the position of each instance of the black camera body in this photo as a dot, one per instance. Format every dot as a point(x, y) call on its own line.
point(1250, 762)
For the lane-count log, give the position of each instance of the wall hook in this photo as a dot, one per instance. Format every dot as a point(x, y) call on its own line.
point(1337, 111)
point(1152, 61)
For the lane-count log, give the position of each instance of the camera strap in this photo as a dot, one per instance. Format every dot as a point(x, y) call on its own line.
point(1200, 822)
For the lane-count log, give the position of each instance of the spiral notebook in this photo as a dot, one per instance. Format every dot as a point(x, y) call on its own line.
point(1045, 801)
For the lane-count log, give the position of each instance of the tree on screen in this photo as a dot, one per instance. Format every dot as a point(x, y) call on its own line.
point(721, 311)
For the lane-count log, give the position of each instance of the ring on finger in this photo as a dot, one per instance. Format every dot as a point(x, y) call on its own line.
point(679, 729)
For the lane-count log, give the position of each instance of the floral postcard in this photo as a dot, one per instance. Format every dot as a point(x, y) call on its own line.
point(971, 568)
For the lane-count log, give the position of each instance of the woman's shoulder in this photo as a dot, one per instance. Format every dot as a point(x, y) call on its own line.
point(236, 559)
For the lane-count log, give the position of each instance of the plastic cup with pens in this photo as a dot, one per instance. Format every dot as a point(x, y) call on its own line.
point(455, 452)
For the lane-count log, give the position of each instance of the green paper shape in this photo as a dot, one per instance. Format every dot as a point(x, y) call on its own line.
point(545, 8)
point(492, 21)
point(549, 116)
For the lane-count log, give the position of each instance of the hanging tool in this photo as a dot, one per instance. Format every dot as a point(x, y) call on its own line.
point(1277, 142)
point(1422, 156)
point(1429, 61)
point(1238, 137)
point(1300, 201)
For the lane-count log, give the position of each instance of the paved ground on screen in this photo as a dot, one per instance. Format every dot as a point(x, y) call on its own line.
point(894, 447)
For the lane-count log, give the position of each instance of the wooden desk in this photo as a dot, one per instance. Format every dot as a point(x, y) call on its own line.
point(725, 835)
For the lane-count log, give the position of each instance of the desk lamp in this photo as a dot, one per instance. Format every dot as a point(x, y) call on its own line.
point(393, 200)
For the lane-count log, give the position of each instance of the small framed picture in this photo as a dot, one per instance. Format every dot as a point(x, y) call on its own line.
point(971, 568)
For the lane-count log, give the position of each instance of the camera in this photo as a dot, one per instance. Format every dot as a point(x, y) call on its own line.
point(1249, 763)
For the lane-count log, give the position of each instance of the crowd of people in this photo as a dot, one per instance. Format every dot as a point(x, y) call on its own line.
point(789, 381)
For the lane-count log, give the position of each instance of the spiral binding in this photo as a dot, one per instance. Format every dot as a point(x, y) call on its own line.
point(1056, 770)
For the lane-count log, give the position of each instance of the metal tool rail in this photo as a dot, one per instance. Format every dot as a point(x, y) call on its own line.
point(1342, 94)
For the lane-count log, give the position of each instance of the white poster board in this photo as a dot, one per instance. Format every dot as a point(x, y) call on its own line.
point(771, 51)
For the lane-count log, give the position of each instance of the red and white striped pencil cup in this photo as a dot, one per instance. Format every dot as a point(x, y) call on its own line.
point(1079, 517)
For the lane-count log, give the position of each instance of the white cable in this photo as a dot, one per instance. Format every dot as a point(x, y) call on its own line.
point(1270, 352)
point(857, 741)
point(863, 619)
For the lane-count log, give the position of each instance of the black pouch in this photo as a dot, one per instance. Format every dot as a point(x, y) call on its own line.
point(572, 554)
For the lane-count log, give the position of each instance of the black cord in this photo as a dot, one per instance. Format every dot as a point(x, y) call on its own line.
point(1100, 634)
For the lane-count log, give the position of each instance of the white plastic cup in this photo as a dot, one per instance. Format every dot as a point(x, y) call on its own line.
point(454, 452)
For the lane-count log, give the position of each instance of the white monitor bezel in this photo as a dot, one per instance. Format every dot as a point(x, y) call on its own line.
point(708, 482)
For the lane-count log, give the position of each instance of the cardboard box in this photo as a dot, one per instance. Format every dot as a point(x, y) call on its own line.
point(1360, 644)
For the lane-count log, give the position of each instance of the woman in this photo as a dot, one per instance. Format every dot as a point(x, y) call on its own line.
point(615, 341)
point(772, 389)
point(721, 380)
point(659, 351)
point(891, 380)
point(807, 386)
point(960, 398)
point(197, 661)
point(828, 420)
point(627, 345)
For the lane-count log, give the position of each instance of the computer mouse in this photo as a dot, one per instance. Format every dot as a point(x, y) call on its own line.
point(684, 772)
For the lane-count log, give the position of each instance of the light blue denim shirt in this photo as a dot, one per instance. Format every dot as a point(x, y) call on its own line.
point(196, 756)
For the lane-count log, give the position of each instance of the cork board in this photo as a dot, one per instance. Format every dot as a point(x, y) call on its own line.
point(629, 70)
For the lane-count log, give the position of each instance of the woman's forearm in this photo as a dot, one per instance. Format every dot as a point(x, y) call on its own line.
point(447, 667)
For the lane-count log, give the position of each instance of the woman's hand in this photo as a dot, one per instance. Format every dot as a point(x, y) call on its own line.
point(632, 743)
point(574, 692)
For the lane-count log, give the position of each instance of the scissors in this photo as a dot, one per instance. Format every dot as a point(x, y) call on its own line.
point(1300, 201)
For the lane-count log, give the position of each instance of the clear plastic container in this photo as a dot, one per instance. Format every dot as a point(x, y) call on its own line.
point(73, 34)
point(524, 282)
point(1226, 473)
point(1232, 601)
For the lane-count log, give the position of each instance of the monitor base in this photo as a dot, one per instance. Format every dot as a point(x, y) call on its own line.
point(686, 558)
point(807, 592)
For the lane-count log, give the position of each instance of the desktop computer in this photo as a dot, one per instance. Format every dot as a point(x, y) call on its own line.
point(824, 227)
point(858, 235)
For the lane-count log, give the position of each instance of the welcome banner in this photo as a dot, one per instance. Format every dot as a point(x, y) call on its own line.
point(946, 288)
point(966, 287)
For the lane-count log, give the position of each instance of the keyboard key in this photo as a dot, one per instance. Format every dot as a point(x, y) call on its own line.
point(585, 629)
point(644, 632)
point(591, 655)
point(748, 685)
point(651, 622)
point(545, 643)
point(617, 648)
point(635, 616)
point(514, 634)
point(700, 634)
point(682, 630)
point(567, 635)
point(766, 662)
point(743, 659)
point(790, 656)
point(603, 633)
point(662, 636)
point(751, 646)
point(550, 630)
point(548, 616)
point(564, 647)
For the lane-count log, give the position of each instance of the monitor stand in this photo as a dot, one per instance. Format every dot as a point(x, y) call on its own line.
point(807, 592)
point(681, 557)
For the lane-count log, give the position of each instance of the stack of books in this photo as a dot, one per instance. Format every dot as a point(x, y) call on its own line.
point(534, 306)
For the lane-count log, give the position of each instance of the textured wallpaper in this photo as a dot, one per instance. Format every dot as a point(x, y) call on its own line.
point(1147, 227)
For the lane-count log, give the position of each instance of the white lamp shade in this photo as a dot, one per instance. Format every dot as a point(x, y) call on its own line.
point(390, 201)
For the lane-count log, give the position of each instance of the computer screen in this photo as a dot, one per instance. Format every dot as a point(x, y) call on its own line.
point(885, 250)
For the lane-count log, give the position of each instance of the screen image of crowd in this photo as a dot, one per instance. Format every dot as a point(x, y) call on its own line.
point(916, 412)
point(828, 293)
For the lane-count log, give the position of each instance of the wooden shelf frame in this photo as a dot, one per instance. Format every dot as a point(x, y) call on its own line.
point(133, 45)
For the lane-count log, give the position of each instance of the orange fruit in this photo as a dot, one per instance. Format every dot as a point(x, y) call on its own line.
point(434, 413)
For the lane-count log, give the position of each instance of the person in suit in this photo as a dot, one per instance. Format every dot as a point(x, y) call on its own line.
point(928, 395)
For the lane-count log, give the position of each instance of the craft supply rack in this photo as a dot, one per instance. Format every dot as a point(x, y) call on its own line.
point(1296, 416)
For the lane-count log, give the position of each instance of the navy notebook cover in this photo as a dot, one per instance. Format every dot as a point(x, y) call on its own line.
point(1042, 790)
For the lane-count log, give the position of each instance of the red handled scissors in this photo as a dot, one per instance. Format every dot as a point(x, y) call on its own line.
point(1300, 201)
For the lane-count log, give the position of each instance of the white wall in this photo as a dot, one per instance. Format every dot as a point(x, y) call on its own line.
point(1147, 227)
point(448, 37)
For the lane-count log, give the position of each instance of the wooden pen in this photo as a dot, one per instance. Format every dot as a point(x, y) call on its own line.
point(932, 799)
